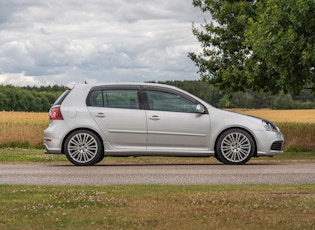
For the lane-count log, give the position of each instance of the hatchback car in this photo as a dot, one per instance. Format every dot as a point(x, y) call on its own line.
point(89, 122)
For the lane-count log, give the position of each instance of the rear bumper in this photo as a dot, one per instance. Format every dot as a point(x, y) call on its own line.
point(49, 149)
point(53, 137)
point(52, 146)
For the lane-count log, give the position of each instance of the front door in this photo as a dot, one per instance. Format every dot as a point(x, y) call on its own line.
point(174, 124)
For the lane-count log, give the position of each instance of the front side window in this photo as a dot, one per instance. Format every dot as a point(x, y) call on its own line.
point(165, 101)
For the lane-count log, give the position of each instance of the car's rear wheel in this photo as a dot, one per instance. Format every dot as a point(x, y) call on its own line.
point(235, 146)
point(83, 148)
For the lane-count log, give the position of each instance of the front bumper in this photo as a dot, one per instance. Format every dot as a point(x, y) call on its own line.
point(269, 143)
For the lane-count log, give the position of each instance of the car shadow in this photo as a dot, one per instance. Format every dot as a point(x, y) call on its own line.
point(148, 164)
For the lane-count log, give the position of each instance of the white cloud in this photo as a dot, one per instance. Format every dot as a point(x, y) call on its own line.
point(61, 41)
point(19, 79)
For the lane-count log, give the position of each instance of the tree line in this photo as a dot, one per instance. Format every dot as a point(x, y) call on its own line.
point(28, 99)
point(247, 99)
point(40, 99)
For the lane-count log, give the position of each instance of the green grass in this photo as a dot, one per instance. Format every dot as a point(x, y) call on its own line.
point(28, 155)
point(158, 207)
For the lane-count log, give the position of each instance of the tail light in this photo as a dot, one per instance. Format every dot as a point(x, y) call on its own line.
point(55, 114)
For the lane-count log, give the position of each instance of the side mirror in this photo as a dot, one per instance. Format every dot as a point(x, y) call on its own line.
point(200, 109)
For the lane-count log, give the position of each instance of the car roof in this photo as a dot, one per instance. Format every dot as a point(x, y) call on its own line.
point(91, 85)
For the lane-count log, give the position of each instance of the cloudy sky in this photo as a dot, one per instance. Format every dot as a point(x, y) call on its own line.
point(66, 41)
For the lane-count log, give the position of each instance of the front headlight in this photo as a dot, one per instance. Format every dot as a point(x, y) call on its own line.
point(270, 126)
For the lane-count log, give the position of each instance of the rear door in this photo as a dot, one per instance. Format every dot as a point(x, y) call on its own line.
point(117, 112)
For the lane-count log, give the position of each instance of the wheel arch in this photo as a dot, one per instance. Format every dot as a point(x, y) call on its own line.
point(236, 127)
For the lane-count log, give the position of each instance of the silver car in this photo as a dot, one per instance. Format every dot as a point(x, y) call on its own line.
point(89, 122)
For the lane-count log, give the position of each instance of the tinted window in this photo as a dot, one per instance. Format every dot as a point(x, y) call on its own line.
point(96, 99)
point(165, 101)
point(127, 99)
point(114, 98)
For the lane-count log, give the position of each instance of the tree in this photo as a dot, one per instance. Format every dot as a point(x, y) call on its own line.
point(263, 45)
point(283, 37)
point(283, 101)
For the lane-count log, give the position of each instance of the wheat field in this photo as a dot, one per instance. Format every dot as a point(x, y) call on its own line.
point(18, 127)
point(298, 126)
point(299, 116)
point(25, 129)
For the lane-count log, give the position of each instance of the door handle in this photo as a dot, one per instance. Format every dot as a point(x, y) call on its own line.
point(100, 115)
point(154, 118)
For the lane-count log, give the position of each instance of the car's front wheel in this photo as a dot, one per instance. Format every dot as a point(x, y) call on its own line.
point(83, 148)
point(235, 146)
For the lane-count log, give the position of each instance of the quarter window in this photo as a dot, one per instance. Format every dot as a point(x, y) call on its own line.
point(96, 98)
point(165, 101)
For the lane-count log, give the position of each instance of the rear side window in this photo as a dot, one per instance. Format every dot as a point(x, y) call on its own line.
point(127, 99)
point(62, 97)
point(114, 98)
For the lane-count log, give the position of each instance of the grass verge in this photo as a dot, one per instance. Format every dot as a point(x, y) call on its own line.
point(28, 155)
point(158, 207)
point(37, 155)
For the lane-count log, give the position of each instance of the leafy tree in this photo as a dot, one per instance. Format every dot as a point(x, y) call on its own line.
point(243, 100)
point(283, 36)
point(224, 54)
point(262, 100)
point(4, 100)
point(304, 95)
point(283, 101)
point(263, 45)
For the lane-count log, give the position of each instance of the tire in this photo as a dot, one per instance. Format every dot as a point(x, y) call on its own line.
point(100, 159)
point(235, 146)
point(216, 157)
point(83, 148)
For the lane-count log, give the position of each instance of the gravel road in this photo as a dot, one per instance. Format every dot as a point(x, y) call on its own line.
point(183, 174)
